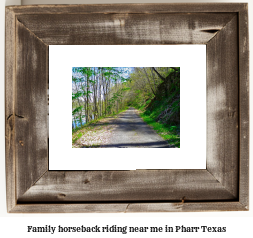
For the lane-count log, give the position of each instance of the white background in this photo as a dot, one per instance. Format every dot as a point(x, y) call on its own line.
point(239, 224)
point(192, 152)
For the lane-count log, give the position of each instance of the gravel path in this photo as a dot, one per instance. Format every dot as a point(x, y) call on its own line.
point(131, 131)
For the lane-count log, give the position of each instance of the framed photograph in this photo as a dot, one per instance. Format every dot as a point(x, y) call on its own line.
point(112, 58)
point(163, 104)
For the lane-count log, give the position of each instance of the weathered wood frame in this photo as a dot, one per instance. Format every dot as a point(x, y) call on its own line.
point(222, 186)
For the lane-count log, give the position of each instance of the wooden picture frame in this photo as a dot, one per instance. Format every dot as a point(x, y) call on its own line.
point(222, 186)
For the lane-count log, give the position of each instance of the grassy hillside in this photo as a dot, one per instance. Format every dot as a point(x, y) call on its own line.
point(162, 110)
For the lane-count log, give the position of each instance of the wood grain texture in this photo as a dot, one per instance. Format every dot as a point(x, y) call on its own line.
point(155, 8)
point(223, 186)
point(9, 108)
point(140, 185)
point(129, 207)
point(244, 106)
point(30, 109)
point(118, 29)
point(186, 207)
point(222, 107)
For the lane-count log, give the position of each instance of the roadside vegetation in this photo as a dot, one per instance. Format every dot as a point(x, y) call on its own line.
point(100, 93)
point(156, 93)
point(95, 133)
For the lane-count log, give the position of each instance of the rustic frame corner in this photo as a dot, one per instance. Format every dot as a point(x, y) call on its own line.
point(223, 186)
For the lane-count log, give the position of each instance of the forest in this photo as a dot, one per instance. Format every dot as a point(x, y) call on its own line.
point(153, 93)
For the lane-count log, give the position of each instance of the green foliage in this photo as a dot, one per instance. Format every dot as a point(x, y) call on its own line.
point(78, 136)
point(85, 71)
point(169, 72)
point(77, 109)
point(93, 122)
point(102, 91)
point(99, 90)
point(76, 95)
point(167, 132)
point(158, 97)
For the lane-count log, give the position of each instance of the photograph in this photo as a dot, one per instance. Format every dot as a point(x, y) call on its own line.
point(141, 76)
point(125, 107)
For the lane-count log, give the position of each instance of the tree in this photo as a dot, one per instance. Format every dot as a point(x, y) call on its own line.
point(96, 91)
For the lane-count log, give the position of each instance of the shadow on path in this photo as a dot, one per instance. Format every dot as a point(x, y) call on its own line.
point(159, 144)
point(132, 132)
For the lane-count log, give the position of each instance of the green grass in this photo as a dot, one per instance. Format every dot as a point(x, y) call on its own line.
point(167, 132)
point(165, 129)
point(76, 137)
point(87, 124)
point(90, 123)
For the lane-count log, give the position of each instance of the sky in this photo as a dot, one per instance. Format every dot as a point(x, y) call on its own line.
point(126, 74)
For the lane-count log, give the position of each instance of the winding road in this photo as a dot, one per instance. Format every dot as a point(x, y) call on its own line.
point(132, 132)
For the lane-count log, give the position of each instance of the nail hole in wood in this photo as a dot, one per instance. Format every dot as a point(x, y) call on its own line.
point(183, 199)
point(86, 181)
point(61, 195)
